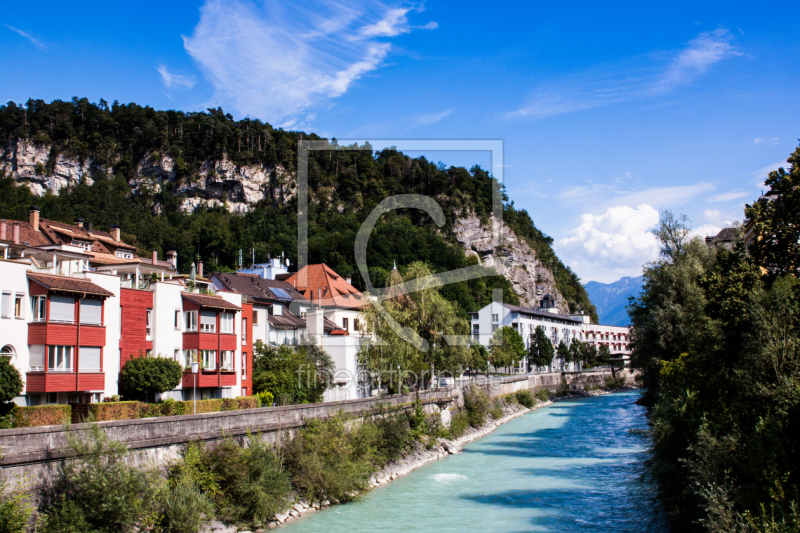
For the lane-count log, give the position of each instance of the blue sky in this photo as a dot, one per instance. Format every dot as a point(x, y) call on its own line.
point(608, 112)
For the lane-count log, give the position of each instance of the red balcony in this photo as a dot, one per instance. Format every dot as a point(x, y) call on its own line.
point(65, 381)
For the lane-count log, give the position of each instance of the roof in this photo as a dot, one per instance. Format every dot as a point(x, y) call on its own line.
point(210, 302)
point(544, 314)
point(320, 280)
point(260, 289)
point(67, 284)
point(727, 234)
point(290, 321)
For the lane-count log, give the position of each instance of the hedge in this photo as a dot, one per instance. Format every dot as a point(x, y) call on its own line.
point(203, 406)
point(41, 415)
point(114, 410)
point(248, 402)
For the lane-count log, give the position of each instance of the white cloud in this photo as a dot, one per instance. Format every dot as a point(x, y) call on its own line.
point(611, 84)
point(766, 140)
point(429, 26)
point(612, 245)
point(603, 195)
point(430, 118)
point(36, 42)
point(278, 59)
point(729, 196)
point(175, 80)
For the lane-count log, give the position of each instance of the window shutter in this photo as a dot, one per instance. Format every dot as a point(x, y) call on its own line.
point(208, 318)
point(89, 359)
point(5, 307)
point(91, 311)
point(62, 308)
point(37, 356)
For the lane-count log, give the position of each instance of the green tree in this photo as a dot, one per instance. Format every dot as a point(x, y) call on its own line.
point(507, 347)
point(541, 351)
point(776, 221)
point(588, 354)
point(575, 350)
point(562, 352)
point(10, 381)
point(292, 375)
point(143, 377)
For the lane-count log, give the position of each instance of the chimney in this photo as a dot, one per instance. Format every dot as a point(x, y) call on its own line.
point(91, 227)
point(79, 222)
point(115, 232)
point(33, 217)
point(172, 257)
point(349, 280)
point(155, 256)
point(3, 230)
point(15, 233)
point(200, 269)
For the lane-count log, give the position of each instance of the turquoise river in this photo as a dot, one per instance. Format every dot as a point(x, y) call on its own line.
point(571, 466)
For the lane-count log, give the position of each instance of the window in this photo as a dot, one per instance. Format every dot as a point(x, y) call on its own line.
point(178, 319)
point(87, 246)
point(148, 328)
point(59, 359)
point(148, 353)
point(89, 359)
point(124, 254)
point(39, 308)
point(356, 324)
point(244, 365)
point(244, 331)
point(5, 305)
point(18, 299)
point(227, 360)
point(33, 400)
point(495, 318)
point(208, 321)
point(209, 359)
point(62, 309)
point(244, 391)
point(226, 323)
point(191, 320)
point(190, 356)
point(91, 311)
point(277, 309)
point(177, 355)
point(7, 352)
point(255, 317)
point(303, 313)
point(476, 329)
point(345, 323)
point(52, 397)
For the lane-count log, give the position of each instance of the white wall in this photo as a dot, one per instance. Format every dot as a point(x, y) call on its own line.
point(14, 331)
point(166, 338)
point(343, 349)
point(111, 320)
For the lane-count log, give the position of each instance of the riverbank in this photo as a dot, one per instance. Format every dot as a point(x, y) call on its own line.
point(421, 456)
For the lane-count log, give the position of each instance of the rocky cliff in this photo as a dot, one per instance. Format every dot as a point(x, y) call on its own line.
point(513, 259)
point(217, 182)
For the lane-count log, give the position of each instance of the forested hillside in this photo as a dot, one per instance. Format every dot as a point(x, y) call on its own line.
point(115, 140)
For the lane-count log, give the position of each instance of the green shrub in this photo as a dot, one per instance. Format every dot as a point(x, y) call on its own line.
point(266, 398)
point(563, 388)
point(476, 403)
point(611, 382)
point(542, 395)
point(149, 410)
point(170, 407)
point(459, 422)
point(229, 404)
point(143, 377)
point(248, 402)
point(416, 420)
point(100, 489)
point(393, 435)
point(525, 398)
point(115, 411)
point(184, 508)
point(247, 485)
point(325, 463)
point(496, 410)
point(41, 415)
point(15, 509)
point(10, 381)
point(65, 516)
point(203, 406)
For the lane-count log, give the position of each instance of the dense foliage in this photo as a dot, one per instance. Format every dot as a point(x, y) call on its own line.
point(540, 351)
point(507, 347)
point(291, 375)
point(716, 335)
point(10, 381)
point(344, 185)
point(143, 377)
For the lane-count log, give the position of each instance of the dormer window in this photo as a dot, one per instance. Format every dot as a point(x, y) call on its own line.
point(124, 254)
point(86, 245)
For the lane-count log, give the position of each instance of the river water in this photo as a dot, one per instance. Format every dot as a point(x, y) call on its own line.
point(571, 466)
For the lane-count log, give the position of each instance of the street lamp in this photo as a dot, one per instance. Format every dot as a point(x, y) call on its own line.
point(195, 370)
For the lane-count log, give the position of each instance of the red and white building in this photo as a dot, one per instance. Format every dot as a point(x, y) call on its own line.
point(76, 304)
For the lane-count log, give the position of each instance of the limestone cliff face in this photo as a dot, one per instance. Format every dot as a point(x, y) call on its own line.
point(216, 182)
point(513, 259)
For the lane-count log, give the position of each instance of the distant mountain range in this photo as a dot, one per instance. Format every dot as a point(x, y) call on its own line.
point(611, 299)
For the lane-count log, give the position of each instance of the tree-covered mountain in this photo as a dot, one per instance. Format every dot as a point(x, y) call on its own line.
point(611, 299)
point(135, 166)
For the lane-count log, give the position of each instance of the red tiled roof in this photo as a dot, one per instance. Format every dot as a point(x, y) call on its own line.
point(315, 280)
point(258, 288)
point(67, 284)
point(210, 302)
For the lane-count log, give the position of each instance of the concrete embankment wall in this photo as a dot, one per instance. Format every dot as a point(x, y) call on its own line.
point(39, 452)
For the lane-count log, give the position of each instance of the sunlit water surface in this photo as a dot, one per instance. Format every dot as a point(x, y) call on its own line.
point(572, 466)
